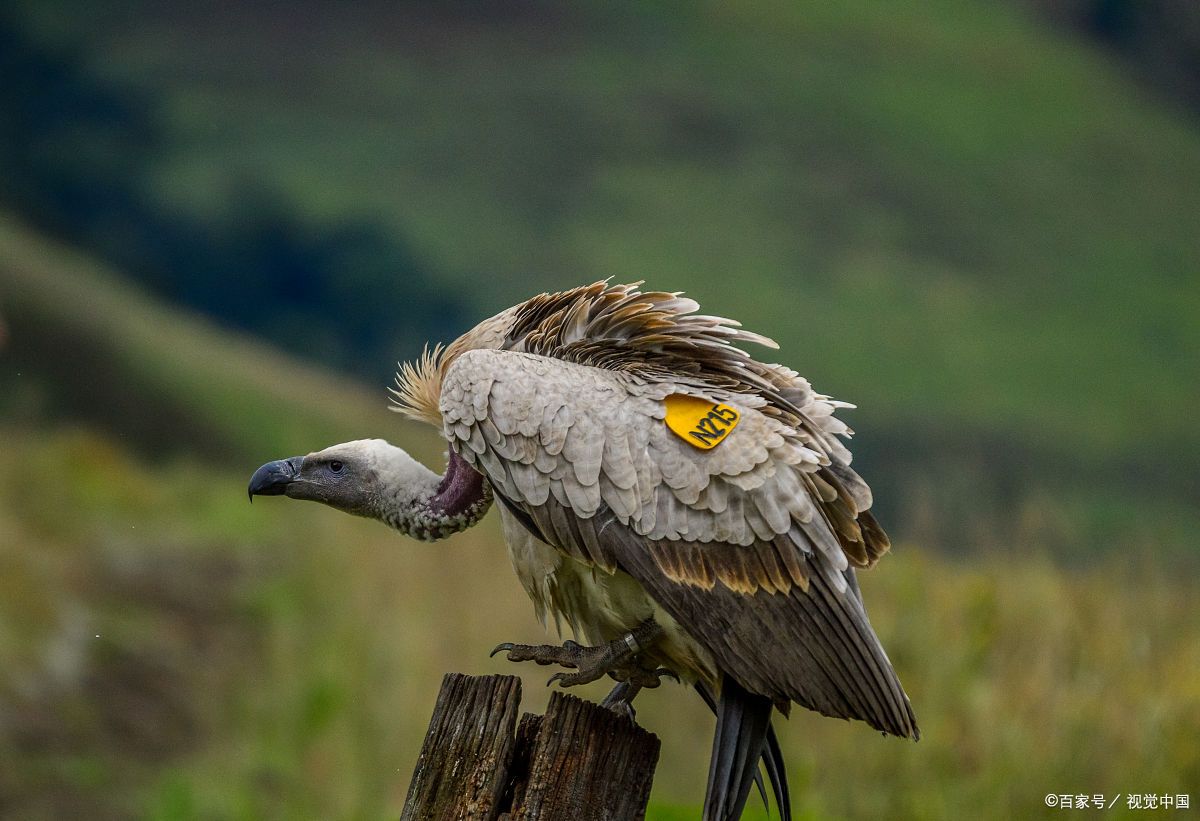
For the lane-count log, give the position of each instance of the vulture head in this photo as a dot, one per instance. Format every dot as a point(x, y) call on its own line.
point(371, 478)
point(345, 476)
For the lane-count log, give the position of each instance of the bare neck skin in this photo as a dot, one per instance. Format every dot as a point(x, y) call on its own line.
point(420, 503)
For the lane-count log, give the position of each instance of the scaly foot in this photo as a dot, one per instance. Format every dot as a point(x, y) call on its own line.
point(620, 698)
point(618, 658)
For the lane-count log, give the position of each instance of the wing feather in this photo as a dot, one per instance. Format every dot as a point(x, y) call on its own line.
point(748, 544)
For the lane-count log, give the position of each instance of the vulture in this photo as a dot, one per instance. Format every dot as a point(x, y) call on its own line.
point(682, 507)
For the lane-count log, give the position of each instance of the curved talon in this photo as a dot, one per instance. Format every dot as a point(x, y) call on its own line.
point(507, 645)
point(571, 679)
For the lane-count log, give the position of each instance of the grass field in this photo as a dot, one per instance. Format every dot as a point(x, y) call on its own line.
point(171, 652)
point(973, 226)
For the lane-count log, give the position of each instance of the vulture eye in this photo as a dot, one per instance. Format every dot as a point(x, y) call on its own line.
point(336, 466)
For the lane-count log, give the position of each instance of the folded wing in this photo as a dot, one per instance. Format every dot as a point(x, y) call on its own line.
point(748, 544)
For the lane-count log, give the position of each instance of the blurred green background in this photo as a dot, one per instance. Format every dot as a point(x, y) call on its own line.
point(222, 224)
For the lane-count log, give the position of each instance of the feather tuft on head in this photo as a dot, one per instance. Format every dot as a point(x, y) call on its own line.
point(419, 386)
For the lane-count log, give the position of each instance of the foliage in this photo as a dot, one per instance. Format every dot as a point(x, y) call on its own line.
point(1161, 38)
point(222, 661)
point(977, 228)
point(79, 154)
point(974, 227)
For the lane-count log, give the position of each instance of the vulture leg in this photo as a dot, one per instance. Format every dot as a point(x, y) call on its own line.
point(620, 699)
point(618, 658)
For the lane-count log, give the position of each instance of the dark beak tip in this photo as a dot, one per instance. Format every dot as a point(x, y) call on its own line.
point(273, 478)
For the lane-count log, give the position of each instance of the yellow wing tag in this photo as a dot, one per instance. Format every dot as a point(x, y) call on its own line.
point(701, 423)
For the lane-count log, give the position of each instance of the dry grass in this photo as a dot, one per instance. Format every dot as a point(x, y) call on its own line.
point(168, 651)
point(289, 656)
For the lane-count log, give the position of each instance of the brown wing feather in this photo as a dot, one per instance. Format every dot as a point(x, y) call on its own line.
point(815, 646)
point(747, 546)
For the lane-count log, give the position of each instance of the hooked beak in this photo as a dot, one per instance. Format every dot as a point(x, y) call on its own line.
point(273, 478)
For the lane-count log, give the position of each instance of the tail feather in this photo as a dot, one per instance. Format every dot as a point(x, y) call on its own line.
point(776, 773)
point(743, 723)
point(772, 760)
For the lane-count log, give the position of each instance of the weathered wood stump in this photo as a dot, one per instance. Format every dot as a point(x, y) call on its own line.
point(578, 761)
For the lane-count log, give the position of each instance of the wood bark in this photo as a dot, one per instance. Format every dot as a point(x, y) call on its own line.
point(579, 761)
point(588, 763)
point(462, 771)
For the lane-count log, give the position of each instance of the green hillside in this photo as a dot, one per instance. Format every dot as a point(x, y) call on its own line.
point(168, 651)
point(973, 226)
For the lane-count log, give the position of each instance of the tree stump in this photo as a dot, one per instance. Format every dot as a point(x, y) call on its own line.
point(462, 771)
point(579, 761)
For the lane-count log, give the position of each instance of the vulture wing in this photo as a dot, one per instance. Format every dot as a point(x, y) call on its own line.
point(747, 542)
